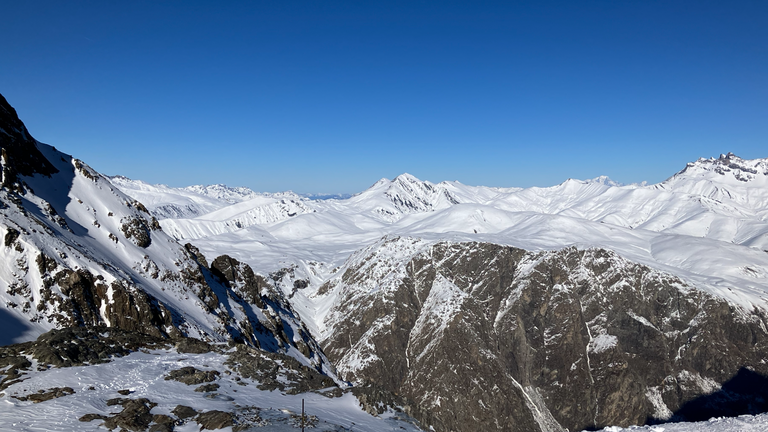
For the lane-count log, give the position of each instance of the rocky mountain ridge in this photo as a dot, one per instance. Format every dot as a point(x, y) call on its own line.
point(569, 339)
point(79, 252)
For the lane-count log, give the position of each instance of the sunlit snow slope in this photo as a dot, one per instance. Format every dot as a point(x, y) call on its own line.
point(707, 224)
point(77, 251)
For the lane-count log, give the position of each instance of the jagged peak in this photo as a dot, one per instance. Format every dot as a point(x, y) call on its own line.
point(727, 165)
point(407, 178)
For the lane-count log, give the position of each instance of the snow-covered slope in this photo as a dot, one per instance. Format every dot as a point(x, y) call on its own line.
point(707, 223)
point(745, 423)
point(150, 384)
point(192, 201)
point(77, 251)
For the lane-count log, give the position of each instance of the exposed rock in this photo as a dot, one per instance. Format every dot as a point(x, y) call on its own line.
point(87, 300)
point(214, 420)
point(275, 371)
point(476, 333)
point(45, 264)
point(193, 346)
point(205, 388)
point(196, 254)
point(79, 346)
point(162, 423)
point(12, 363)
point(20, 154)
point(183, 411)
point(10, 236)
point(136, 230)
point(92, 417)
point(46, 395)
point(240, 277)
point(191, 376)
point(135, 415)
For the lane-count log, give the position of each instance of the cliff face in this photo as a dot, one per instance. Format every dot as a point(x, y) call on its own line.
point(486, 337)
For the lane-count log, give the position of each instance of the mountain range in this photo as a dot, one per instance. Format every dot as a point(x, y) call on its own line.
point(584, 305)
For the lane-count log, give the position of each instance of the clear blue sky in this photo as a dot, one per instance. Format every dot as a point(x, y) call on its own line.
point(328, 96)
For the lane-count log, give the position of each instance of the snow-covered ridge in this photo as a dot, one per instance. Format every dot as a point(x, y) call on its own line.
point(729, 166)
point(704, 226)
point(191, 201)
point(78, 251)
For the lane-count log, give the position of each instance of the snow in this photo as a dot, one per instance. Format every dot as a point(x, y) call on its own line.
point(745, 423)
point(438, 311)
point(143, 373)
point(708, 228)
point(602, 342)
point(76, 219)
point(707, 225)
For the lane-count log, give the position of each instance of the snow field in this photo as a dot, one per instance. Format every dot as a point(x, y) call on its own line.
point(143, 373)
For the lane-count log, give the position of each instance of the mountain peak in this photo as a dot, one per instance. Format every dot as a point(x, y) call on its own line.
point(604, 180)
point(407, 178)
point(20, 154)
point(727, 166)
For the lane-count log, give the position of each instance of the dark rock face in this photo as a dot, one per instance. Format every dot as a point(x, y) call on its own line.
point(486, 337)
point(240, 277)
point(137, 231)
point(135, 415)
point(191, 376)
point(127, 307)
point(183, 411)
point(259, 293)
point(46, 395)
point(193, 346)
point(76, 347)
point(276, 371)
point(214, 420)
point(205, 388)
point(20, 155)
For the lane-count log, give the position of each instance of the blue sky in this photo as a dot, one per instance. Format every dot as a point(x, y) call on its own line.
point(329, 96)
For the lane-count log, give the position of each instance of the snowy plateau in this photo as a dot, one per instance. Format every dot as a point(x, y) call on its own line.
point(410, 306)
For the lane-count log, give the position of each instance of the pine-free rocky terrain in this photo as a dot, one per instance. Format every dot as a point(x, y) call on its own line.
point(408, 306)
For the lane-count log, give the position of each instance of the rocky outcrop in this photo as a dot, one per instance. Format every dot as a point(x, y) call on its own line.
point(228, 373)
point(279, 318)
point(88, 301)
point(20, 155)
point(78, 252)
point(241, 278)
point(488, 337)
point(76, 346)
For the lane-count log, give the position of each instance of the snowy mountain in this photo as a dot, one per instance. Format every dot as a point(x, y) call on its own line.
point(78, 251)
point(583, 305)
point(684, 225)
point(380, 285)
point(566, 339)
point(90, 273)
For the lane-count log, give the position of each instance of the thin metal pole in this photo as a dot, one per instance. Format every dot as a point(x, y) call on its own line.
point(302, 415)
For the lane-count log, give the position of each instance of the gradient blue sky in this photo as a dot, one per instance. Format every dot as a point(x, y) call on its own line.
point(329, 96)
